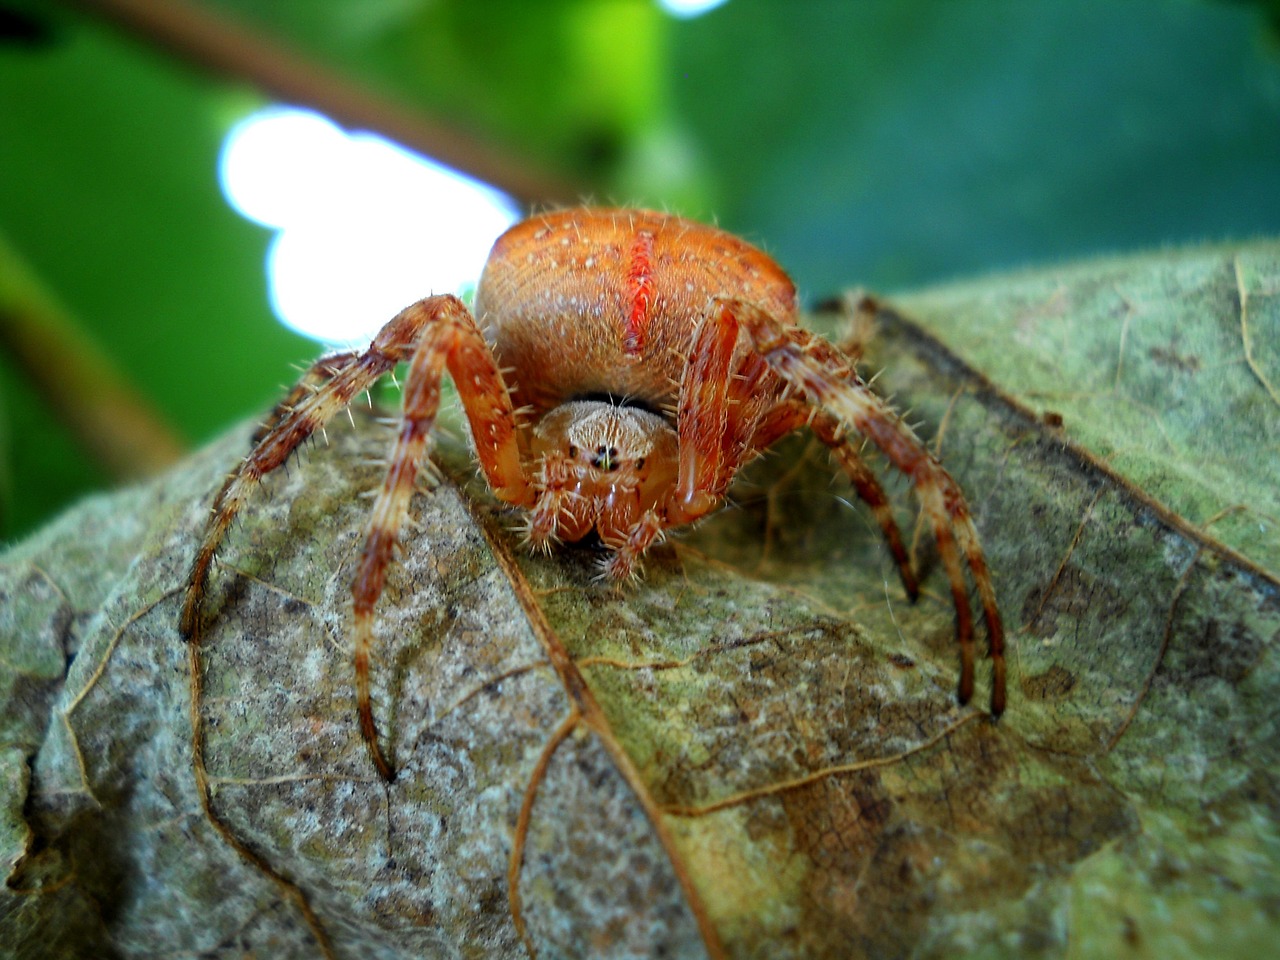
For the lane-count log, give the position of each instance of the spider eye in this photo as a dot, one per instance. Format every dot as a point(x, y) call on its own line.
point(606, 459)
point(640, 464)
point(573, 451)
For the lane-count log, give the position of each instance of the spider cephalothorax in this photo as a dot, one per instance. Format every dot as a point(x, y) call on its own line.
point(619, 370)
point(599, 465)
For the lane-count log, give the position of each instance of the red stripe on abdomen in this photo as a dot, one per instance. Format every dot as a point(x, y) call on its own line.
point(640, 291)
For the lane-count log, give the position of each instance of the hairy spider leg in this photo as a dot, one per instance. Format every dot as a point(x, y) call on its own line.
point(431, 333)
point(235, 488)
point(321, 371)
point(712, 443)
point(328, 386)
point(728, 414)
point(712, 439)
point(448, 338)
point(828, 382)
point(790, 415)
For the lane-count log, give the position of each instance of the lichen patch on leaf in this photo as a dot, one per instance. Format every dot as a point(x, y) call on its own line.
point(760, 740)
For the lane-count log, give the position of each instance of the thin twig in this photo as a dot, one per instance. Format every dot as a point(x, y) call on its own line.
point(219, 43)
point(111, 420)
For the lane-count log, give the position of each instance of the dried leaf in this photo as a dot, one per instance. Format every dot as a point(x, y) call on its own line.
point(757, 751)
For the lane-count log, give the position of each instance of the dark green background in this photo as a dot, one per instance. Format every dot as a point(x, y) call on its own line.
point(880, 143)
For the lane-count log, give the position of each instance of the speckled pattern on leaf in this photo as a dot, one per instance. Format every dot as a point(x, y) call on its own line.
point(776, 753)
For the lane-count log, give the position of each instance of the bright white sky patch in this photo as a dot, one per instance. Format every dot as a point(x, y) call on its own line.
point(684, 9)
point(364, 227)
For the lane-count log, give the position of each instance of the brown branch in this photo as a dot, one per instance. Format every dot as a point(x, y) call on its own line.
point(216, 42)
point(124, 433)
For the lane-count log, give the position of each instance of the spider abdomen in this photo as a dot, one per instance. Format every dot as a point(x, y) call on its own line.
point(595, 301)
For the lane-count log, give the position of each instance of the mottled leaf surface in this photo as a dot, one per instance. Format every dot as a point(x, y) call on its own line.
point(775, 765)
point(1165, 367)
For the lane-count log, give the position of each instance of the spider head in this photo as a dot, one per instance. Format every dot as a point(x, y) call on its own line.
point(600, 464)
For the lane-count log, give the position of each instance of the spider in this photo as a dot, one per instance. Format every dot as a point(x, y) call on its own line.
point(619, 369)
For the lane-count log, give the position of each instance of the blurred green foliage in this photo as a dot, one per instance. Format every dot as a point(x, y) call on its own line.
point(876, 142)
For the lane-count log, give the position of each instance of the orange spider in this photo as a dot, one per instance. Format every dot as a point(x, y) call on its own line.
point(626, 364)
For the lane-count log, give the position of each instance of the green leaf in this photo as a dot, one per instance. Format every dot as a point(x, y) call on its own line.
point(758, 747)
point(1166, 367)
point(110, 193)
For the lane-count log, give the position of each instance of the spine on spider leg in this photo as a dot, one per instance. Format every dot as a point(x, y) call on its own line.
point(829, 431)
point(707, 463)
point(326, 388)
point(389, 513)
point(945, 504)
point(967, 536)
point(198, 577)
point(623, 565)
point(226, 506)
point(555, 514)
point(421, 402)
point(319, 373)
point(828, 382)
point(489, 409)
